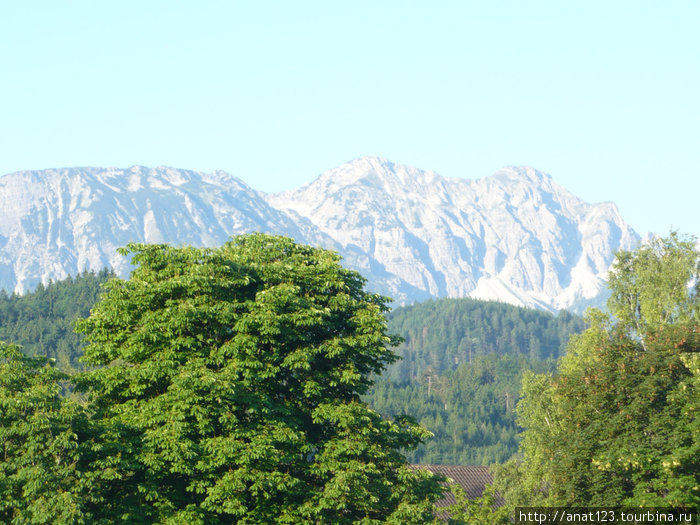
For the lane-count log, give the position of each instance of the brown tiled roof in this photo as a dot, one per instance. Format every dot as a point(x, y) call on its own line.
point(472, 479)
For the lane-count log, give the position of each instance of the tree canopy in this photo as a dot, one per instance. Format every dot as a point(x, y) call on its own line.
point(41, 456)
point(223, 385)
point(231, 378)
point(618, 424)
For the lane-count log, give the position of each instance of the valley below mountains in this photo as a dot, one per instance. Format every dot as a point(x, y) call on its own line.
point(515, 236)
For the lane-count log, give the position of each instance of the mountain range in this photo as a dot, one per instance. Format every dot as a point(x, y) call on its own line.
point(515, 236)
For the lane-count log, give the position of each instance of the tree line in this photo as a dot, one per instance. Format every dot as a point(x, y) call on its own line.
point(439, 335)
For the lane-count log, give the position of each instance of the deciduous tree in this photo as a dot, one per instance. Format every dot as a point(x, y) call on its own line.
point(229, 382)
point(618, 425)
point(41, 444)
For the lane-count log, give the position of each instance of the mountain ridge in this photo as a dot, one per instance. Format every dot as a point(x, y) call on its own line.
point(484, 237)
point(515, 236)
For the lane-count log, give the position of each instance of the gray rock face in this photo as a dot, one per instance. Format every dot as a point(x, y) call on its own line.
point(515, 236)
point(59, 222)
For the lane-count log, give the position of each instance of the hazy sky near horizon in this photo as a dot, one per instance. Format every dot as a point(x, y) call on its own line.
point(602, 95)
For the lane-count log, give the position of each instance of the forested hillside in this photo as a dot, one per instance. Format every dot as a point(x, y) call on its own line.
point(461, 370)
point(459, 376)
point(469, 410)
point(442, 334)
point(42, 321)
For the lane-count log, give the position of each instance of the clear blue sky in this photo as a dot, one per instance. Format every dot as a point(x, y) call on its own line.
point(603, 95)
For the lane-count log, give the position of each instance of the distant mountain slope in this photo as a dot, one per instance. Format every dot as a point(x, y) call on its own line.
point(515, 236)
point(60, 222)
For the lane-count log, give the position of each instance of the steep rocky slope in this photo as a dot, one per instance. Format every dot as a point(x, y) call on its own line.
point(515, 236)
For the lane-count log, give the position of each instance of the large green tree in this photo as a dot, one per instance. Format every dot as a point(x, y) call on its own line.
point(227, 385)
point(43, 445)
point(618, 424)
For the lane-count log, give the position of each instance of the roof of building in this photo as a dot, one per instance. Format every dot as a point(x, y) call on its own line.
point(472, 479)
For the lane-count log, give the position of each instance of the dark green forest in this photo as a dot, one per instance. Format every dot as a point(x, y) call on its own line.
point(442, 334)
point(459, 376)
point(470, 410)
point(461, 370)
point(41, 321)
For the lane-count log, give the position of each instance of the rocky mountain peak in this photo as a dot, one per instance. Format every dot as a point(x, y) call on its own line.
point(514, 236)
